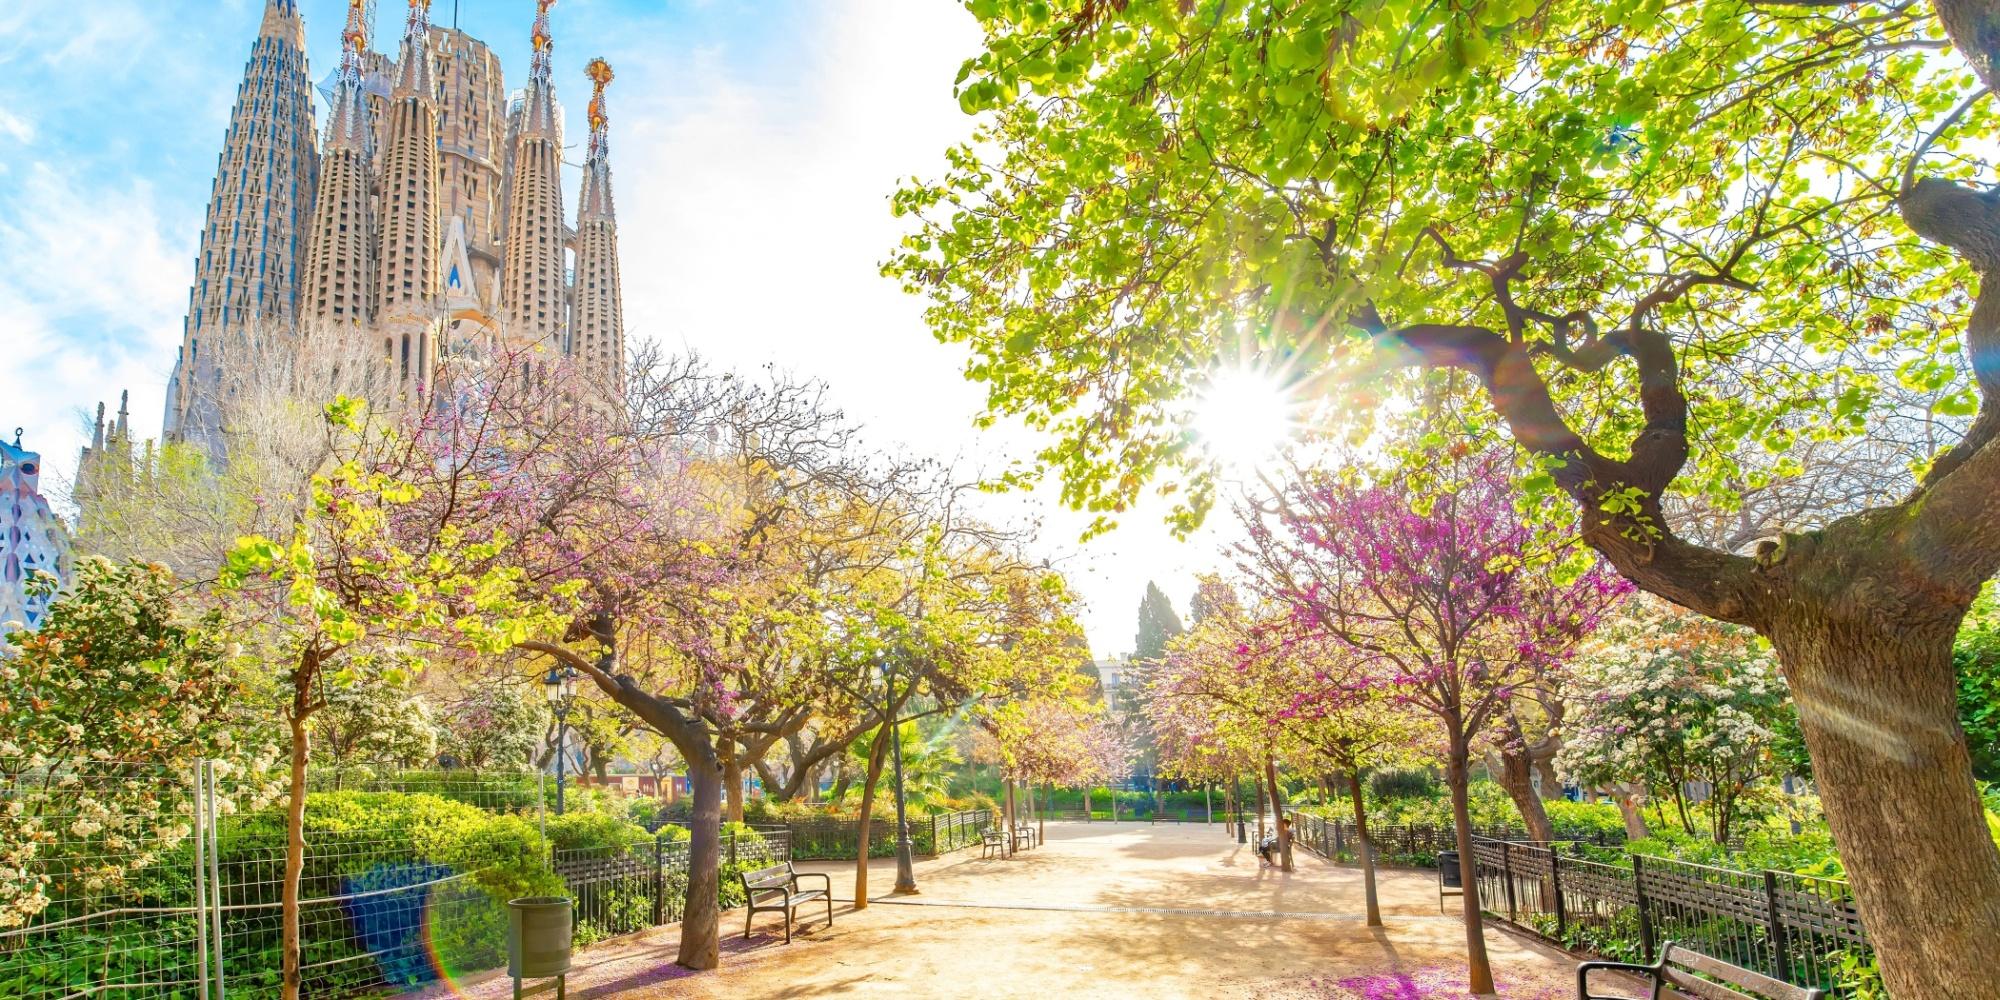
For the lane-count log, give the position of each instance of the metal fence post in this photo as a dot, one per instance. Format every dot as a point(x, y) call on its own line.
point(732, 847)
point(659, 879)
point(1339, 838)
point(1556, 881)
point(215, 885)
point(1506, 872)
point(1780, 948)
point(201, 878)
point(1639, 897)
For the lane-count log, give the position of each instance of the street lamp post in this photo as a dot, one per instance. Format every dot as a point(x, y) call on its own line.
point(906, 869)
point(560, 688)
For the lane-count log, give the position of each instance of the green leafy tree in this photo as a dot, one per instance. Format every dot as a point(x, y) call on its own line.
point(1158, 624)
point(495, 726)
point(375, 725)
point(1661, 238)
point(343, 602)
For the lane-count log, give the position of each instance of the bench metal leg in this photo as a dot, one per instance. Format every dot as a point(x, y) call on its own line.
point(747, 914)
point(788, 923)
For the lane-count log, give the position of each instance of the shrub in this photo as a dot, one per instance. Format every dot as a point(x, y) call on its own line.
point(580, 831)
point(1402, 785)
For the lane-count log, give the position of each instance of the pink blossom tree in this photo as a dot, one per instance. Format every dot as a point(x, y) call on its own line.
point(1428, 575)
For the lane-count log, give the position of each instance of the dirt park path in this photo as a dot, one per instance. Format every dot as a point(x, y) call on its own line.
point(1102, 910)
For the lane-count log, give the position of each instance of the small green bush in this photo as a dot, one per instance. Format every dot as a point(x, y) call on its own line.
point(1402, 785)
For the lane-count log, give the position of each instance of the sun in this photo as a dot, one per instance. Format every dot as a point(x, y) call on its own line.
point(1243, 417)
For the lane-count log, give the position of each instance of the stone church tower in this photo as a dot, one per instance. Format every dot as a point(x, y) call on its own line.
point(597, 322)
point(428, 221)
point(252, 244)
point(532, 282)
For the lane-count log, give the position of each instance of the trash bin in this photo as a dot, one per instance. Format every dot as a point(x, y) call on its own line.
point(1448, 870)
point(538, 937)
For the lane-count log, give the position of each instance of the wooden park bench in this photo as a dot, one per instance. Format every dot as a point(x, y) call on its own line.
point(1024, 832)
point(1677, 967)
point(779, 887)
point(991, 842)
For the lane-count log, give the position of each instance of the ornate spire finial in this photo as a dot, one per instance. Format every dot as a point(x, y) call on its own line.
point(600, 76)
point(420, 19)
point(354, 39)
point(545, 42)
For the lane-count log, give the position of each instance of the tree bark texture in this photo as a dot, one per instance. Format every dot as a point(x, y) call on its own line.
point(732, 777)
point(295, 843)
point(1515, 774)
point(1283, 825)
point(1364, 849)
point(701, 926)
point(1478, 969)
point(1877, 704)
point(865, 825)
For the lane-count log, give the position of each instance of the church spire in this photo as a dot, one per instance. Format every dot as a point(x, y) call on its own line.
point(253, 241)
point(596, 201)
point(597, 326)
point(411, 239)
point(340, 257)
point(283, 23)
point(531, 280)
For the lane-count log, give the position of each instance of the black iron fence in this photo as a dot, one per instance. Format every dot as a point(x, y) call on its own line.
point(838, 838)
point(1417, 845)
point(1798, 928)
point(629, 887)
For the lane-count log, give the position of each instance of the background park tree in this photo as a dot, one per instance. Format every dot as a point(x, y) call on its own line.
point(367, 574)
point(1158, 624)
point(1662, 241)
point(1671, 700)
point(1426, 572)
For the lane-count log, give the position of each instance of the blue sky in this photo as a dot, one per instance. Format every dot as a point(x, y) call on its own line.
point(754, 146)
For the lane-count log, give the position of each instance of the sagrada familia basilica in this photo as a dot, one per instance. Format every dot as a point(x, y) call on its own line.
point(423, 221)
point(426, 219)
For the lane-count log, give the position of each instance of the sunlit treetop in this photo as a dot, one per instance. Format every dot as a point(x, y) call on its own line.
point(1155, 191)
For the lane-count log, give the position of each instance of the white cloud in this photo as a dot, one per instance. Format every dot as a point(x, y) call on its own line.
point(90, 303)
point(753, 217)
point(21, 129)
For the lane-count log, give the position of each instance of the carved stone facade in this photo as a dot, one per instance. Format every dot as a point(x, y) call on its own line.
point(428, 219)
point(32, 539)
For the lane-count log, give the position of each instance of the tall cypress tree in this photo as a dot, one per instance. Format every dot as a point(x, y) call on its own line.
point(1157, 624)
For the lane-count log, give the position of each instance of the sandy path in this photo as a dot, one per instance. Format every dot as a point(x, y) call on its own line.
point(1103, 910)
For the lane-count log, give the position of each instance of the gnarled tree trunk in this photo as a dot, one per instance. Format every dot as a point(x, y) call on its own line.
point(1876, 695)
point(701, 924)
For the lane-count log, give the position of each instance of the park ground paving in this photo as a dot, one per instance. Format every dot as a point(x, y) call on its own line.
point(1101, 910)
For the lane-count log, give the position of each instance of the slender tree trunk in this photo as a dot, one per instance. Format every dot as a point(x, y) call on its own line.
point(1478, 971)
point(732, 776)
point(1042, 817)
point(295, 839)
point(1259, 782)
point(865, 824)
point(1364, 848)
point(1009, 814)
point(701, 924)
point(1278, 815)
point(1878, 705)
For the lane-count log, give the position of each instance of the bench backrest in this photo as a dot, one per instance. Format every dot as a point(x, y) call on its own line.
point(1761, 986)
point(774, 877)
